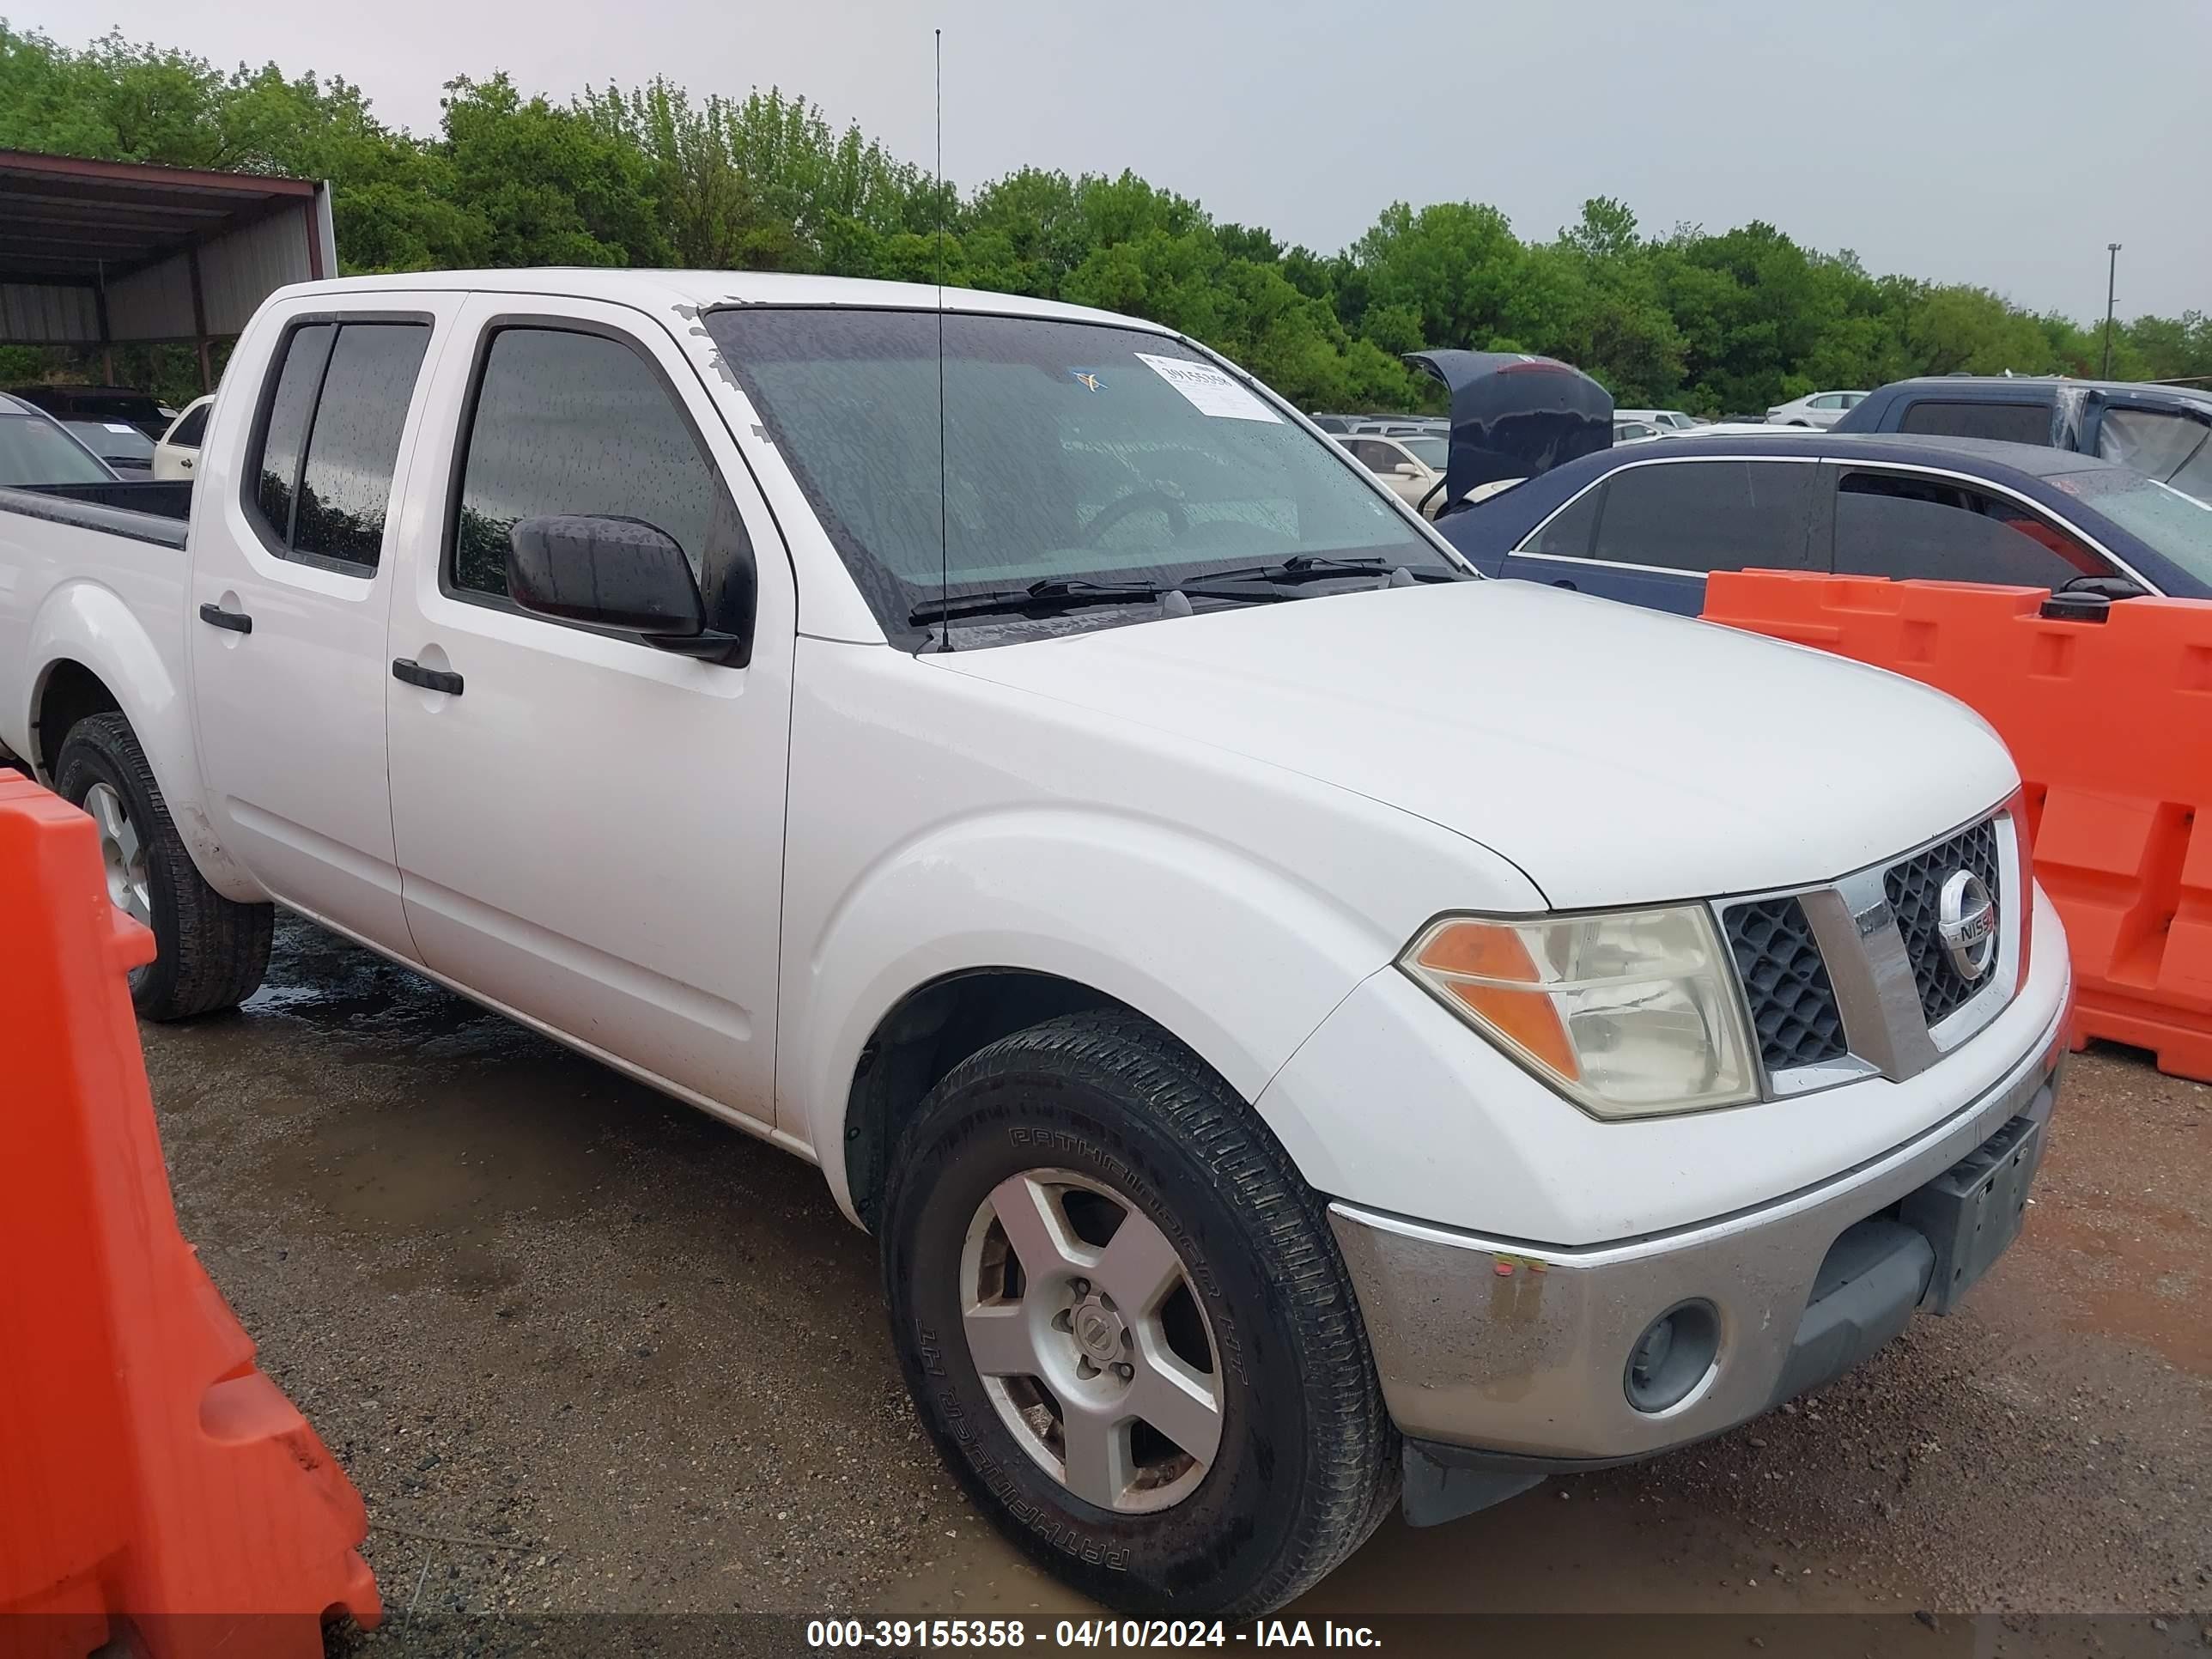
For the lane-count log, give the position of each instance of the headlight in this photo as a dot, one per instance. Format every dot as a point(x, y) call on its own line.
point(1630, 1014)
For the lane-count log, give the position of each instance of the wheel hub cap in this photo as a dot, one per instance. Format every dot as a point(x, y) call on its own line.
point(1098, 1331)
point(1089, 1337)
point(122, 853)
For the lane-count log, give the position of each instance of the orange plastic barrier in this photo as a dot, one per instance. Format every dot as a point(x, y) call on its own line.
point(2111, 724)
point(148, 1471)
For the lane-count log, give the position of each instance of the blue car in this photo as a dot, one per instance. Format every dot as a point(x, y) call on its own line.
point(2162, 431)
point(1648, 522)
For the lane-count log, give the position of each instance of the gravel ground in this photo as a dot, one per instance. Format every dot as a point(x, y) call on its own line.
point(584, 1350)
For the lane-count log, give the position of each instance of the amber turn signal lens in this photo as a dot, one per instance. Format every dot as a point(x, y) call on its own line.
point(1528, 1019)
point(1480, 949)
point(1480, 963)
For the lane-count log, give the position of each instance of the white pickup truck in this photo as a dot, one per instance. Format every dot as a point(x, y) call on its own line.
point(1311, 1029)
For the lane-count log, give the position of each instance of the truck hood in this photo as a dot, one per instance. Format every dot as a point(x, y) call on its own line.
point(1616, 756)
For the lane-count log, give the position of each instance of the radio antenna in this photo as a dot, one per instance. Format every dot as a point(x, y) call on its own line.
point(944, 536)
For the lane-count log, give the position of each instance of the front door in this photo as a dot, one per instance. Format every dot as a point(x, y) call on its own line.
point(292, 577)
point(590, 830)
point(1939, 527)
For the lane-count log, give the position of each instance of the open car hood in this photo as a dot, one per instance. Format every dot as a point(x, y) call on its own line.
point(1514, 415)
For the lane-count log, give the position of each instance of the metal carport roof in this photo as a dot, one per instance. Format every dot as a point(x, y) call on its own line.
point(101, 253)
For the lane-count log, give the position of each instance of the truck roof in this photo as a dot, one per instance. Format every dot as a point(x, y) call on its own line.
point(1991, 455)
point(686, 293)
point(1978, 385)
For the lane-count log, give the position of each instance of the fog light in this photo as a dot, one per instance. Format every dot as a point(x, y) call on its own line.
point(1672, 1357)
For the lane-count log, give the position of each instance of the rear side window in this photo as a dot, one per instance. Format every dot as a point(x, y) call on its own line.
point(1708, 515)
point(573, 423)
point(1568, 534)
point(2012, 424)
point(187, 433)
point(2171, 448)
point(284, 429)
point(1892, 525)
point(330, 441)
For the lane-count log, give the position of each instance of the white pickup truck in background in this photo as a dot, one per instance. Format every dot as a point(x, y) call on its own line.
point(1309, 1027)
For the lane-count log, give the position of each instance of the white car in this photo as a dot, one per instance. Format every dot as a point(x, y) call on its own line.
point(1668, 420)
point(1822, 408)
point(1411, 466)
point(1309, 1028)
point(1635, 431)
point(177, 454)
point(1733, 429)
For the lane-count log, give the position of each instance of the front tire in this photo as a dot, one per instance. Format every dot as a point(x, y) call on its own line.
point(1125, 1322)
point(210, 953)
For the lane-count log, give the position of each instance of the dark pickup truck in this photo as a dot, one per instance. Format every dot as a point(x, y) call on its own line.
point(2163, 432)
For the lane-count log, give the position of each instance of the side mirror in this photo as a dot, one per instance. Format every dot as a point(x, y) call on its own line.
point(2106, 588)
point(1407, 470)
point(609, 572)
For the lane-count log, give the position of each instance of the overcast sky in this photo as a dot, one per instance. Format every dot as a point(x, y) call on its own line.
point(1997, 142)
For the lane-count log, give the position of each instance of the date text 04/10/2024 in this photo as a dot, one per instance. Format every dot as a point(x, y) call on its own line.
point(904, 1634)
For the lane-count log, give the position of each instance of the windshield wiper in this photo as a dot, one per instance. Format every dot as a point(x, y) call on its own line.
point(1310, 567)
point(1054, 595)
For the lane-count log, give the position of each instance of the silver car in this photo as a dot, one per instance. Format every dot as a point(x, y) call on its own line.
point(1822, 409)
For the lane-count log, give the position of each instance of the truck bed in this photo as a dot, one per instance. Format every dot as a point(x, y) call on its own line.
point(149, 510)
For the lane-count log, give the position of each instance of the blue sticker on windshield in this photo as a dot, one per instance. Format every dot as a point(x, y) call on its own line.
point(1087, 379)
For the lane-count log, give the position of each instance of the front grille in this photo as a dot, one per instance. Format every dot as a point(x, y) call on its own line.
point(1785, 982)
point(1914, 889)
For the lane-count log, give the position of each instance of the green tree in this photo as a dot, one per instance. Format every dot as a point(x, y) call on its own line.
point(651, 175)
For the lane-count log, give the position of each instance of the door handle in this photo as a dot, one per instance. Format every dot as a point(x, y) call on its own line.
point(430, 679)
point(236, 621)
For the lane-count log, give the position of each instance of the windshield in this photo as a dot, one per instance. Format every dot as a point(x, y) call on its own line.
point(1070, 451)
point(2177, 526)
point(33, 451)
point(112, 440)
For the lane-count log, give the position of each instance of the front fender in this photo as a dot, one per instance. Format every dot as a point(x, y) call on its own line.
point(91, 625)
point(1240, 957)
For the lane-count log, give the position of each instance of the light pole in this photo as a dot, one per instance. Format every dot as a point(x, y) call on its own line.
point(2111, 276)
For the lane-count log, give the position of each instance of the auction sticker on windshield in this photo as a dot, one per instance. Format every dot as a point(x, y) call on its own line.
point(1210, 391)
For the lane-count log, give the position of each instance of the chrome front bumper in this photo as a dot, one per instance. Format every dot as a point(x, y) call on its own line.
point(1523, 1349)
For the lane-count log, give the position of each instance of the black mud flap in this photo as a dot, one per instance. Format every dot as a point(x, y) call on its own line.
point(1436, 1493)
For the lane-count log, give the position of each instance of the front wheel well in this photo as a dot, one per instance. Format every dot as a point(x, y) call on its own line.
point(71, 693)
point(932, 1029)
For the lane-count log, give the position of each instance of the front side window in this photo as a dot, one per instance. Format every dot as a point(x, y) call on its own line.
point(1070, 451)
point(565, 421)
point(329, 441)
point(2012, 424)
point(1708, 515)
point(2176, 524)
point(1906, 525)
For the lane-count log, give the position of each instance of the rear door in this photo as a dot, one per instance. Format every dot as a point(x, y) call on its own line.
point(1653, 531)
point(590, 831)
point(1907, 524)
point(293, 536)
